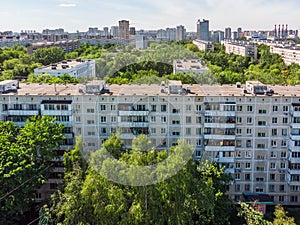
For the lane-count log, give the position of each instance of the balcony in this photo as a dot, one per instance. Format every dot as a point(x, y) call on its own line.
point(294, 160)
point(21, 112)
point(220, 113)
point(20, 124)
point(219, 125)
point(295, 125)
point(295, 113)
point(229, 170)
point(69, 135)
point(134, 113)
point(219, 137)
point(219, 148)
point(295, 137)
point(56, 112)
point(224, 159)
point(134, 124)
point(294, 171)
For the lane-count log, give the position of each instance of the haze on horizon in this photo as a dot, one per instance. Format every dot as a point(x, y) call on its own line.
point(73, 15)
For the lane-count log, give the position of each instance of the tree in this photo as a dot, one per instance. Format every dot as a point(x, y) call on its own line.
point(47, 56)
point(25, 154)
point(281, 217)
point(252, 216)
point(191, 196)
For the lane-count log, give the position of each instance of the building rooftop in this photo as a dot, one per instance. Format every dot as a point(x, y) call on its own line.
point(147, 90)
point(188, 64)
point(67, 64)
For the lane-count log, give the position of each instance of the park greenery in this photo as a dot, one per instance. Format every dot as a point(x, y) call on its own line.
point(125, 64)
point(25, 154)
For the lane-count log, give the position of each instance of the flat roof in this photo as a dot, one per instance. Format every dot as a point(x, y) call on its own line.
point(7, 82)
point(36, 89)
point(188, 64)
point(64, 65)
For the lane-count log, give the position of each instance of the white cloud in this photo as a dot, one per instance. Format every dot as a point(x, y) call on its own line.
point(67, 5)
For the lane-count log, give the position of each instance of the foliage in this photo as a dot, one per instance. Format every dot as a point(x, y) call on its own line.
point(25, 154)
point(194, 195)
point(47, 56)
point(281, 217)
point(46, 78)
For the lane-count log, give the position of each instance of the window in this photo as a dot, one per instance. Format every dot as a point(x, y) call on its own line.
point(247, 187)
point(272, 176)
point(249, 120)
point(239, 108)
point(112, 107)
point(248, 154)
point(163, 119)
point(262, 123)
point(248, 144)
point(163, 108)
point(259, 190)
point(238, 143)
point(237, 187)
point(261, 134)
point(153, 119)
point(248, 165)
point(282, 165)
point(283, 154)
point(249, 131)
point(237, 176)
point(282, 177)
point(284, 132)
point(294, 198)
point(163, 130)
point(90, 110)
point(239, 120)
point(102, 107)
point(272, 165)
point(53, 186)
point(198, 131)
point(262, 111)
point(260, 179)
point(283, 143)
point(238, 165)
point(153, 108)
point(262, 146)
point(260, 168)
point(274, 132)
point(90, 122)
point(188, 108)
point(281, 198)
point(281, 188)
point(274, 119)
point(113, 119)
point(198, 108)
point(238, 131)
point(275, 108)
point(188, 131)
point(153, 130)
point(238, 154)
point(188, 119)
point(198, 119)
point(274, 143)
point(247, 177)
point(285, 108)
point(249, 108)
point(176, 111)
point(273, 154)
point(285, 120)
point(77, 118)
point(271, 188)
point(103, 119)
point(91, 133)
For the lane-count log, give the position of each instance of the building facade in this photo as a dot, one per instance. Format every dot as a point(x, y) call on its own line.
point(180, 33)
point(75, 68)
point(254, 131)
point(66, 46)
point(203, 30)
point(289, 54)
point(123, 30)
point(204, 45)
point(241, 48)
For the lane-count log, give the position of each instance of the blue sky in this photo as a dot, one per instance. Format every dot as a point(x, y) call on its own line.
point(73, 15)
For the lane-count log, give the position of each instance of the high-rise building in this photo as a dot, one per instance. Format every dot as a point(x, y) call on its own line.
point(132, 31)
point(239, 32)
point(234, 35)
point(124, 29)
point(105, 31)
point(171, 34)
point(203, 30)
point(180, 33)
point(114, 31)
point(217, 36)
point(228, 33)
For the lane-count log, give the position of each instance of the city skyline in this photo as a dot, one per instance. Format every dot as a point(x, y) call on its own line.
point(73, 15)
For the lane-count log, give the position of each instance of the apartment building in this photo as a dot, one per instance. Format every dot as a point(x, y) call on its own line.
point(66, 46)
point(204, 45)
point(189, 65)
point(241, 48)
point(123, 30)
point(253, 130)
point(289, 54)
point(75, 68)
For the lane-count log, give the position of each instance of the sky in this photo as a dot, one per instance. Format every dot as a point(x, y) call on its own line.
point(73, 15)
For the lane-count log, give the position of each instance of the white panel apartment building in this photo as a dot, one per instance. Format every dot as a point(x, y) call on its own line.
point(256, 135)
point(289, 54)
point(75, 68)
point(240, 48)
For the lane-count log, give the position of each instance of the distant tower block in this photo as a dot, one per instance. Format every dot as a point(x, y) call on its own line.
point(282, 31)
point(286, 30)
point(275, 31)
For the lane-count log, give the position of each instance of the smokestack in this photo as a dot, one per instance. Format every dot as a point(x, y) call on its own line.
point(275, 31)
point(282, 32)
point(279, 31)
point(286, 30)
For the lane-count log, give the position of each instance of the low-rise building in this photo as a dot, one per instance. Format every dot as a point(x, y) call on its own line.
point(189, 65)
point(204, 45)
point(288, 54)
point(75, 68)
point(67, 46)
